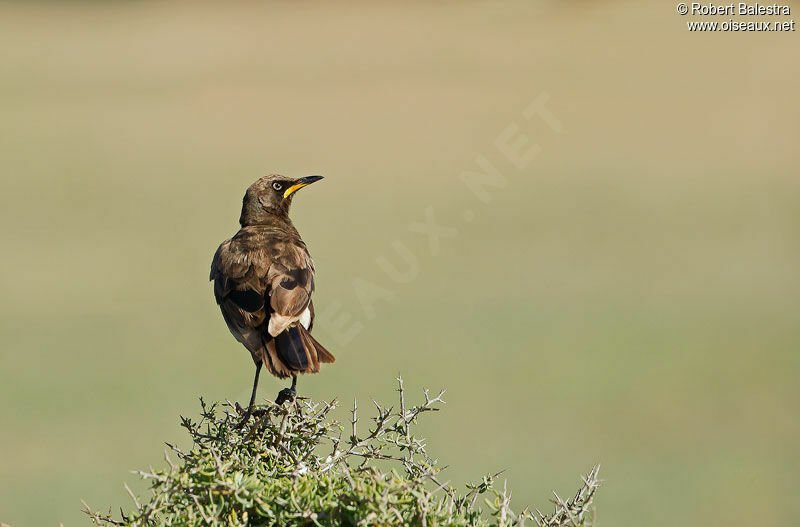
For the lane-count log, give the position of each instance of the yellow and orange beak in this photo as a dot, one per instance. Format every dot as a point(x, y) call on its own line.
point(300, 183)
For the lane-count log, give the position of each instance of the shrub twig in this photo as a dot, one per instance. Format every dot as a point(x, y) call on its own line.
point(275, 472)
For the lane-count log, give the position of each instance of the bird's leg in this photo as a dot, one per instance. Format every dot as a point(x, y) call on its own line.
point(249, 410)
point(287, 394)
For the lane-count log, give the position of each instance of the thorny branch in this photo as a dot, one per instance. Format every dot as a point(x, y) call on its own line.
point(273, 472)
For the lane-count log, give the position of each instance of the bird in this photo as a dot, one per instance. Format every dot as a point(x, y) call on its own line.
point(263, 281)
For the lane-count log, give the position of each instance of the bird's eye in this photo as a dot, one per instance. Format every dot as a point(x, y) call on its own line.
point(277, 186)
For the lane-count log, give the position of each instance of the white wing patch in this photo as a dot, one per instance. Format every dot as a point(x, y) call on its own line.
point(305, 318)
point(279, 323)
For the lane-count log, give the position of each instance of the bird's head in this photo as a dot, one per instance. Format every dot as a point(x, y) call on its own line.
point(271, 196)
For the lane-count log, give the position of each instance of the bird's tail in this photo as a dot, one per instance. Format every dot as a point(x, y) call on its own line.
point(323, 355)
point(301, 352)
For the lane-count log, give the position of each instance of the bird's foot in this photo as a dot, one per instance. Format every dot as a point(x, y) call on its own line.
point(245, 415)
point(248, 413)
point(259, 412)
point(287, 394)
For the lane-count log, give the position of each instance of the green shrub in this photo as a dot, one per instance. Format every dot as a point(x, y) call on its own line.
point(293, 465)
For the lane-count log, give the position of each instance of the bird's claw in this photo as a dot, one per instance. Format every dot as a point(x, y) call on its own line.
point(250, 412)
point(245, 417)
point(287, 394)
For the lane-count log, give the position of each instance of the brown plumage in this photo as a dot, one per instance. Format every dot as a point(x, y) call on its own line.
point(263, 281)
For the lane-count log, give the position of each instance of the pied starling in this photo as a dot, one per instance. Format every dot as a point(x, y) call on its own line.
point(263, 280)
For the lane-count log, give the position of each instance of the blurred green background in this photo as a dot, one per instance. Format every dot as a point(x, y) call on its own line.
point(629, 297)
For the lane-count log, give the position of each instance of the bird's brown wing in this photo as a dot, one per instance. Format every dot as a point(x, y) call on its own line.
point(290, 281)
point(240, 294)
point(239, 271)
